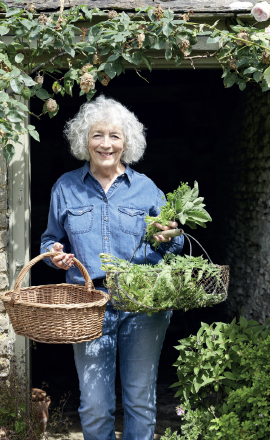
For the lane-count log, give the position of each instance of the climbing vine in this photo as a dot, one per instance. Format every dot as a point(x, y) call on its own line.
point(46, 44)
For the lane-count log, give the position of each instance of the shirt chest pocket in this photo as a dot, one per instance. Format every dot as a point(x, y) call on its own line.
point(80, 220)
point(131, 220)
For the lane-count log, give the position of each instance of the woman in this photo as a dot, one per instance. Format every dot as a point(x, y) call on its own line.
point(101, 207)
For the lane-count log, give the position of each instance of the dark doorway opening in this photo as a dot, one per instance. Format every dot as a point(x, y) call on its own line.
point(185, 113)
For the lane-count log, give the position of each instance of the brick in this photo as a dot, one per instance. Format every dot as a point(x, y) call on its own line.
point(3, 199)
point(4, 323)
point(2, 307)
point(3, 282)
point(5, 346)
point(3, 262)
point(3, 239)
point(3, 170)
point(4, 367)
point(3, 219)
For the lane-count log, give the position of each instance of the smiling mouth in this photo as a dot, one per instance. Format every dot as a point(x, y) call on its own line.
point(105, 154)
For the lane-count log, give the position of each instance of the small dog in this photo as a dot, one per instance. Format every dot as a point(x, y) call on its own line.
point(41, 402)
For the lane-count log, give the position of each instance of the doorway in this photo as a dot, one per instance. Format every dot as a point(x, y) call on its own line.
point(185, 113)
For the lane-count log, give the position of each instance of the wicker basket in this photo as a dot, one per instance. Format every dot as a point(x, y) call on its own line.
point(56, 313)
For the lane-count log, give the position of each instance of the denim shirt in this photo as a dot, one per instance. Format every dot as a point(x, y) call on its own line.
point(88, 221)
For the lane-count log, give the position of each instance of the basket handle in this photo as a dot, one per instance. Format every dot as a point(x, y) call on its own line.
point(17, 288)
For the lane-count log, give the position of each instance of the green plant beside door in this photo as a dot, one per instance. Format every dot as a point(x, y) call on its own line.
point(224, 382)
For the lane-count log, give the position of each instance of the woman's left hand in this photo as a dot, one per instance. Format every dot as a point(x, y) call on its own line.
point(160, 237)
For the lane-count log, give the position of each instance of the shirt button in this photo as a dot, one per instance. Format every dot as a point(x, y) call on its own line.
point(106, 238)
point(115, 184)
point(105, 218)
point(80, 212)
point(105, 199)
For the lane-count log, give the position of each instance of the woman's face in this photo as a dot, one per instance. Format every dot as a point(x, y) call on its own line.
point(106, 145)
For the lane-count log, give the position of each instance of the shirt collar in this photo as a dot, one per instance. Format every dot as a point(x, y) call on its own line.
point(86, 169)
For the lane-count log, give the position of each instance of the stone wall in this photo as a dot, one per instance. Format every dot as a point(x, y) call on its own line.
point(5, 343)
point(244, 176)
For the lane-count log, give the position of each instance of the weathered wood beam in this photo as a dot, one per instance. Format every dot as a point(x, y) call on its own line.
point(207, 6)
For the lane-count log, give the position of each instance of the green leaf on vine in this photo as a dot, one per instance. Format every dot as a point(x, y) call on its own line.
point(9, 152)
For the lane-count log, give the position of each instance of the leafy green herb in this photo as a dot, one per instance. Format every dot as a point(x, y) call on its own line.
point(184, 206)
point(179, 282)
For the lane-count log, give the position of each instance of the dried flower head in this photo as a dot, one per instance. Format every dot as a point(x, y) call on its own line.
point(39, 79)
point(244, 36)
point(51, 105)
point(87, 82)
point(142, 27)
point(2, 133)
point(112, 14)
point(185, 17)
point(233, 63)
point(58, 24)
point(6, 68)
point(140, 38)
point(158, 12)
point(85, 68)
point(49, 20)
point(97, 59)
point(42, 19)
point(31, 7)
point(265, 57)
point(106, 79)
point(184, 45)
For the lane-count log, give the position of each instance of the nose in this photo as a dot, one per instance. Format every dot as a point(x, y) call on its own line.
point(106, 142)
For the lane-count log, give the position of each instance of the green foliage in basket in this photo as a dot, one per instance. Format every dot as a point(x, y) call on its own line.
point(224, 382)
point(184, 206)
point(175, 282)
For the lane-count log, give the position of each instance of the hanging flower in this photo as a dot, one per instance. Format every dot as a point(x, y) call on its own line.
point(97, 59)
point(51, 105)
point(39, 79)
point(31, 7)
point(185, 17)
point(158, 12)
point(42, 19)
point(106, 79)
point(112, 14)
point(233, 64)
point(87, 82)
point(244, 36)
point(142, 27)
point(140, 38)
point(184, 45)
point(261, 11)
point(265, 57)
point(85, 68)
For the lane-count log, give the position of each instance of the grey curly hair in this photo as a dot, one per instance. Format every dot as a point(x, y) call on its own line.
point(106, 110)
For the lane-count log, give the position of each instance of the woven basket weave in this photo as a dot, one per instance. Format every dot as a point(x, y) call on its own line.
point(56, 313)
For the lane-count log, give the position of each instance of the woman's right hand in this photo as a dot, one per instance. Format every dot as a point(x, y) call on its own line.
point(63, 260)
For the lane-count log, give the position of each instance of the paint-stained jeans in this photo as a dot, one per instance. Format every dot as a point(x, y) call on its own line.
point(139, 339)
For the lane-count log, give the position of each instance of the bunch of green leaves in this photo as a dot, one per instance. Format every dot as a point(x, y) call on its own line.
point(184, 206)
point(179, 282)
point(224, 381)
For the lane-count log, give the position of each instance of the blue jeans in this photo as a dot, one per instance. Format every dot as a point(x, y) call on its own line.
point(139, 339)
